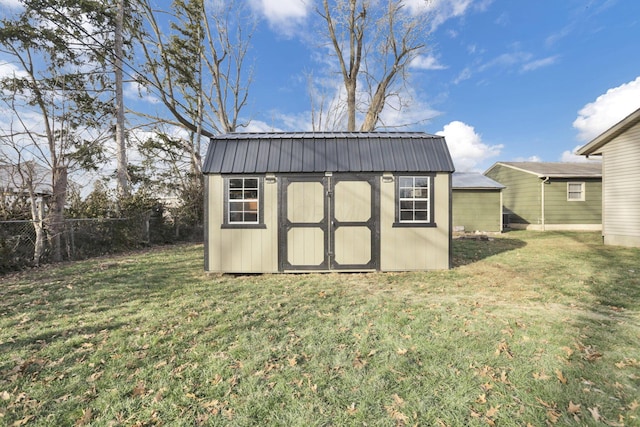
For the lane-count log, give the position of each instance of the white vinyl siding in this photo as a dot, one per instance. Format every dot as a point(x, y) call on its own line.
point(621, 162)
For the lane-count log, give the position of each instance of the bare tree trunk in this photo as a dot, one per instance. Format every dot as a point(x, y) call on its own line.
point(55, 218)
point(122, 176)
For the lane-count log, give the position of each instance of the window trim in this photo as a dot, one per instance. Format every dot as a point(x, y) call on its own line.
point(225, 221)
point(423, 224)
point(583, 188)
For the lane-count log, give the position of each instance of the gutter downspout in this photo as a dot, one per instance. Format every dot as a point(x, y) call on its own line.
point(544, 181)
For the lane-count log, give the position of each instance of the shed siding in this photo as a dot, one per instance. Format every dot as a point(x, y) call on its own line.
point(477, 210)
point(415, 248)
point(621, 201)
point(521, 197)
point(241, 250)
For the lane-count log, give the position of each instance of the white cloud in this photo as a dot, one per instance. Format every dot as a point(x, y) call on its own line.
point(539, 63)
point(10, 4)
point(427, 63)
point(607, 110)
point(9, 70)
point(571, 156)
point(136, 91)
point(443, 10)
point(533, 158)
point(466, 146)
point(283, 15)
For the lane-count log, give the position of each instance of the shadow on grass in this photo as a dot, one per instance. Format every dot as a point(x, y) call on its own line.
point(608, 327)
point(467, 250)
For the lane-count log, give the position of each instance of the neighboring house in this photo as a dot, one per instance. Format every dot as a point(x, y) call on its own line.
point(619, 147)
point(278, 202)
point(477, 203)
point(550, 196)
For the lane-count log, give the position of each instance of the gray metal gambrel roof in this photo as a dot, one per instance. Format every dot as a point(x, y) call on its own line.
point(299, 152)
point(556, 169)
point(474, 181)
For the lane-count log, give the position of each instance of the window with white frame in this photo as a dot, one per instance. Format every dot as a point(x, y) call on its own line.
point(414, 194)
point(575, 191)
point(243, 201)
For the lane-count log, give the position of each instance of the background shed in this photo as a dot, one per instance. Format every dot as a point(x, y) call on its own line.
point(279, 202)
point(477, 203)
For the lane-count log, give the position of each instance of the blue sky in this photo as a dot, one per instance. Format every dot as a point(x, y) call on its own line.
point(504, 80)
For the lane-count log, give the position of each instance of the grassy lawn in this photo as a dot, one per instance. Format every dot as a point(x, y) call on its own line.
point(527, 329)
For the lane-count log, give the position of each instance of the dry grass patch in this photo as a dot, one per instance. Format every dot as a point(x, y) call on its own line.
point(527, 329)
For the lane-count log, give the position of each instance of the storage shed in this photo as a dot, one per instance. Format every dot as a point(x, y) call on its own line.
point(551, 195)
point(291, 202)
point(619, 147)
point(477, 203)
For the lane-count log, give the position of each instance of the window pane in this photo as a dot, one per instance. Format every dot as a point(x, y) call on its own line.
point(406, 193)
point(236, 207)
point(235, 183)
point(422, 182)
point(251, 206)
point(406, 181)
point(421, 205)
point(421, 216)
point(235, 216)
point(406, 204)
point(251, 217)
point(421, 193)
point(235, 194)
point(251, 183)
point(250, 194)
point(406, 216)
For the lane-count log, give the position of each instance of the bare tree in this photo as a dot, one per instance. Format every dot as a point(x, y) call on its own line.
point(196, 66)
point(374, 42)
point(56, 95)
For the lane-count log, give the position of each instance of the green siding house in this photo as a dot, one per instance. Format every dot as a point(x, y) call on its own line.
point(550, 196)
point(477, 203)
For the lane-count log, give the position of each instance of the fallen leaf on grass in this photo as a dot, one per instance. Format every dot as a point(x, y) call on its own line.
point(561, 376)
point(402, 351)
point(595, 413)
point(503, 348)
point(5, 395)
point(23, 421)
point(87, 414)
point(139, 390)
point(573, 409)
point(553, 416)
point(634, 405)
point(492, 412)
point(541, 376)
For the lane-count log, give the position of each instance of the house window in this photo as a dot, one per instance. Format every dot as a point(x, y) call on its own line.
point(575, 191)
point(414, 200)
point(243, 202)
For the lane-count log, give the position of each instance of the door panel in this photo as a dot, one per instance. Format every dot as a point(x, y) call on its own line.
point(352, 246)
point(328, 223)
point(353, 228)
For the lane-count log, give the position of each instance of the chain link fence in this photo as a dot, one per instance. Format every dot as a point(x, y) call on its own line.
point(86, 238)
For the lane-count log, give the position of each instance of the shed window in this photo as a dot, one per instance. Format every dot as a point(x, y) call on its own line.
point(414, 199)
point(575, 191)
point(243, 202)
